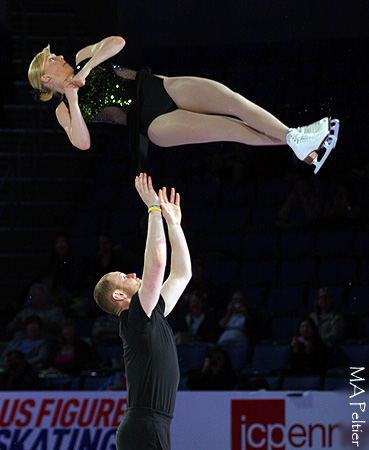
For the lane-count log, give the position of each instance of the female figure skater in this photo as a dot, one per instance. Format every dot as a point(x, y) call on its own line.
point(168, 111)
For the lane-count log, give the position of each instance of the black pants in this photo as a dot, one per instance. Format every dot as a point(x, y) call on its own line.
point(143, 429)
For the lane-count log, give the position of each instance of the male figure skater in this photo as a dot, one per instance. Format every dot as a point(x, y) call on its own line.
point(142, 305)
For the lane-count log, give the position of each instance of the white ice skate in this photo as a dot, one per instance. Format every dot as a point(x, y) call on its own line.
point(310, 138)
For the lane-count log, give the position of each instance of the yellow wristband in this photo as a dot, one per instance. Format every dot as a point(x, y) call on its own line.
point(152, 208)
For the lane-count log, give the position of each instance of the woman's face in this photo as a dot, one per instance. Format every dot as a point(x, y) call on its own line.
point(32, 330)
point(55, 68)
point(306, 330)
point(325, 299)
point(61, 246)
point(68, 333)
point(196, 305)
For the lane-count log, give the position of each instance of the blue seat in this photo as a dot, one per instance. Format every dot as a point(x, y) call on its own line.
point(273, 381)
point(109, 352)
point(259, 272)
point(182, 385)
point(296, 244)
point(284, 328)
point(101, 197)
point(336, 271)
point(264, 218)
point(299, 383)
point(84, 327)
point(199, 219)
point(267, 358)
point(232, 219)
point(272, 192)
point(91, 222)
point(361, 244)
point(358, 300)
point(93, 383)
point(334, 383)
point(238, 355)
point(203, 195)
point(239, 194)
point(227, 243)
point(259, 245)
point(256, 298)
point(221, 271)
point(354, 355)
point(363, 276)
point(334, 243)
point(285, 300)
point(63, 383)
point(191, 357)
point(298, 271)
point(124, 221)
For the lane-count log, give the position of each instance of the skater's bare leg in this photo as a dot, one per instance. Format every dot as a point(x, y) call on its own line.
point(210, 97)
point(185, 127)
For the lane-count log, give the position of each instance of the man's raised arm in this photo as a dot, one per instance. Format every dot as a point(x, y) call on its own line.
point(180, 269)
point(155, 251)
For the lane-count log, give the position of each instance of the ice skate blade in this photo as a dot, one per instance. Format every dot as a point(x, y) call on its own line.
point(335, 128)
point(329, 145)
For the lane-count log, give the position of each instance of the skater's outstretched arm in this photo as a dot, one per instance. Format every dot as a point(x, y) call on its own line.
point(98, 53)
point(71, 119)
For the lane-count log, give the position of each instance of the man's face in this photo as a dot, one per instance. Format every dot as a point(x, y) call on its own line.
point(128, 283)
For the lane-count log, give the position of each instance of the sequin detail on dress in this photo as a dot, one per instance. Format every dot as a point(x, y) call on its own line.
point(108, 93)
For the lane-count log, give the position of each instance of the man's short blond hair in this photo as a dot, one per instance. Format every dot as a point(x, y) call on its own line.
point(103, 294)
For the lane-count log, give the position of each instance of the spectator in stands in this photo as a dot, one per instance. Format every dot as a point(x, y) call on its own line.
point(105, 330)
point(301, 209)
point(216, 374)
point(327, 317)
point(39, 304)
point(72, 354)
point(199, 280)
point(198, 325)
point(65, 266)
point(19, 374)
point(107, 258)
point(237, 323)
point(34, 346)
point(341, 210)
point(117, 381)
point(308, 354)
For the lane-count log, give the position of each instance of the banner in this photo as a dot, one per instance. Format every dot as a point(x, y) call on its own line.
point(203, 420)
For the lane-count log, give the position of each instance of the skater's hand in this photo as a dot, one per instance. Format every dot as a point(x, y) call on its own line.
point(80, 78)
point(70, 90)
point(144, 187)
point(170, 208)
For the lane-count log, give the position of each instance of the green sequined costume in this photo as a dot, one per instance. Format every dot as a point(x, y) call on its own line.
point(113, 94)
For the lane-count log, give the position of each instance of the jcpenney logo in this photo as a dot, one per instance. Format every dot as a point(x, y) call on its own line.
point(261, 425)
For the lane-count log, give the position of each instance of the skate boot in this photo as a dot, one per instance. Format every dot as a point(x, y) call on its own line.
point(311, 138)
point(323, 124)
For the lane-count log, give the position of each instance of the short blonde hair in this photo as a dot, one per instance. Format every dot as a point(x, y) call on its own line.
point(103, 293)
point(35, 72)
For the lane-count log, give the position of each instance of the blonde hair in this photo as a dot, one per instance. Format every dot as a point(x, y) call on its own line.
point(35, 72)
point(102, 294)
